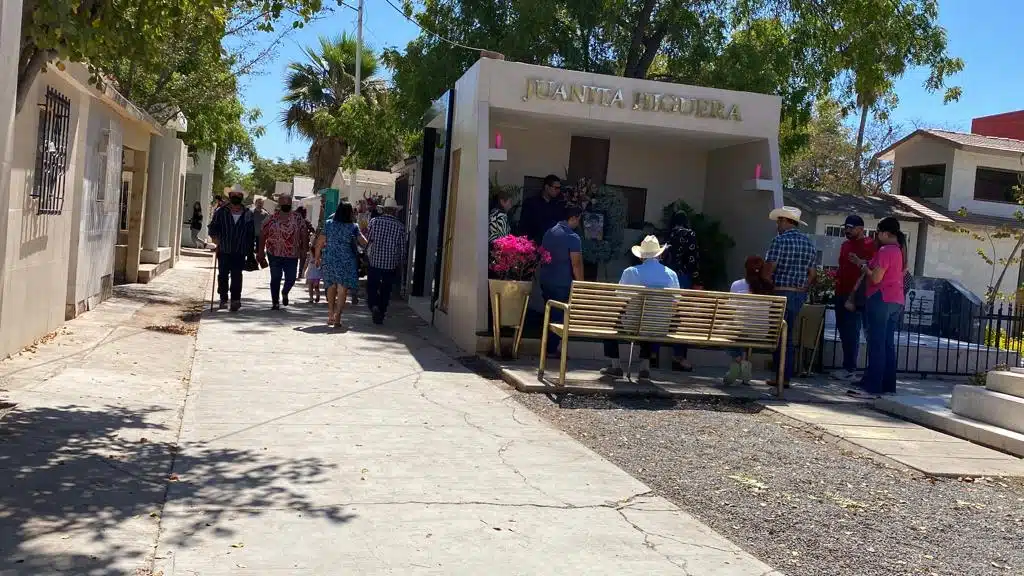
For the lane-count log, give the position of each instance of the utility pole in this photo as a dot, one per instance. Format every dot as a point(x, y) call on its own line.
point(359, 49)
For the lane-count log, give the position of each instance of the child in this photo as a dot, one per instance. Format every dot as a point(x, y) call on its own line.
point(313, 280)
point(751, 283)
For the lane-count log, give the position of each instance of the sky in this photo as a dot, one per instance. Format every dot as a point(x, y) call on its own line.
point(992, 80)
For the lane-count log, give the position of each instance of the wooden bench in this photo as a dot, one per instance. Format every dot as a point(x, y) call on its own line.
point(602, 311)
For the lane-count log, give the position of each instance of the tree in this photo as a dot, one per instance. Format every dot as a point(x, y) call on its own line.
point(97, 32)
point(876, 42)
point(373, 130)
point(266, 173)
point(316, 90)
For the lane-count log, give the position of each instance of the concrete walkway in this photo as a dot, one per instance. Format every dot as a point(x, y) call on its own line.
point(373, 451)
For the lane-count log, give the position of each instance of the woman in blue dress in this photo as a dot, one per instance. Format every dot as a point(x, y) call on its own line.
point(337, 257)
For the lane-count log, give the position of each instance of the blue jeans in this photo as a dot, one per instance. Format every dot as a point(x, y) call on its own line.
point(848, 326)
point(279, 266)
point(561, 294)
point(794, 302)
point(881, 319)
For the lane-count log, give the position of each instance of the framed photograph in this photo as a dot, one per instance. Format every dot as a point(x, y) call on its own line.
point(593, 225)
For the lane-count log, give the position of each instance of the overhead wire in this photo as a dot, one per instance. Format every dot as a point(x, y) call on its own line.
point(431, 32)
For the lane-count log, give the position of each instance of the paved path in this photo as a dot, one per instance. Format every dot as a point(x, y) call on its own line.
point(373, 451)
point(85, 453)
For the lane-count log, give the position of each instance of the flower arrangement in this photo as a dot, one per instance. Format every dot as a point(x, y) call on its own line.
point(580, 194)
point(824, 288)
point(516, 258)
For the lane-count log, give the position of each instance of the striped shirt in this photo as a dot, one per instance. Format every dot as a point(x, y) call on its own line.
point(233, 237)
point(386, 237)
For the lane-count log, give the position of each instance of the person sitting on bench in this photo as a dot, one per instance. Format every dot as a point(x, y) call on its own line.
point(650, 274)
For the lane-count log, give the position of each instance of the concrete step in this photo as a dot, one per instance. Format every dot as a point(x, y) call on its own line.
point(934, 412)
point(990, 407)
point(1006, 382)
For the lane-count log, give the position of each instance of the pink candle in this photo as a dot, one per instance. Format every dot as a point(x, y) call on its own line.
point(757, 172)
point(497, 140)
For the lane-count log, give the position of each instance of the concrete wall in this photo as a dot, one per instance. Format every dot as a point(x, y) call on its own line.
point(965, 168)
point(923, 151)
point(37, 246)
point(91, 267)
point(951, 255)
point(817, 225)
point(743, 213)
point(10, 35)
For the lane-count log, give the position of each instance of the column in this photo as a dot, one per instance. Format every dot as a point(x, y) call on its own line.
point(153, 201)
point(168, 186)
point(136, 217)
point(10, 43)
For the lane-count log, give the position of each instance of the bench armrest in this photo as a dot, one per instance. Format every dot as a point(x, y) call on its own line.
point(557, 304)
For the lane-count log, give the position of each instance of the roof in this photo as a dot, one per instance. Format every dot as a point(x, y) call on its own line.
point(939, 215)
point(960, 140)
point(816, 202)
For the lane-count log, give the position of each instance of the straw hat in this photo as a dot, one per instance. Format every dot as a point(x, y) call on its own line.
point(789, 213)
point(649, 248)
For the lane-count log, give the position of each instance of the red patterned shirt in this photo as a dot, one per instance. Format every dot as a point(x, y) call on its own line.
point(282, 234)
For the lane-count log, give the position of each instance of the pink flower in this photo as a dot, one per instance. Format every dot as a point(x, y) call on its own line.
point(516, 258)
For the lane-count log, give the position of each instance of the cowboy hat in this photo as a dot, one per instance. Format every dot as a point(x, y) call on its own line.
point(789, 213)
point(237, 189)
point(389, 202)
point(648, 248)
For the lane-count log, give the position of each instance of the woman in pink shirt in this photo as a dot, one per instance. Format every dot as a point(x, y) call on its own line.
point(884, 308)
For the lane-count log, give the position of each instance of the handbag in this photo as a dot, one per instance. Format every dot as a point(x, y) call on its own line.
point(251, 265)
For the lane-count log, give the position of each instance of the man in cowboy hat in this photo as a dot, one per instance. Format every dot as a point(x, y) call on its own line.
point(386, 238)
point(651, 274)
point(233, 231)
point(791, 265)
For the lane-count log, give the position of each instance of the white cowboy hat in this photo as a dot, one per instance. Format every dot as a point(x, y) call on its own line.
point(389, 202)
point(789, 213)
point(649, 248)
point(237, 188)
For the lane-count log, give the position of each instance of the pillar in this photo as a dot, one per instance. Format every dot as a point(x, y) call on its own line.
point(136, 217)
point(153, 200)
point(168, 186)
point(10, 43)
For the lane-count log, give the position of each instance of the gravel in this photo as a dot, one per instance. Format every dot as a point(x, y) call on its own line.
point(798, 503)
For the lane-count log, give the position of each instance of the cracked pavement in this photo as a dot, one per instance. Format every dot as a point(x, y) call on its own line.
point(374, 451)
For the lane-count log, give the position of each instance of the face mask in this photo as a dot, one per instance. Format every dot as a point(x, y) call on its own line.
point(236, 200)
point(286, 208)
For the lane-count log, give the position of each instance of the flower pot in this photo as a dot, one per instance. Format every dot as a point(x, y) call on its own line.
point(512, 296)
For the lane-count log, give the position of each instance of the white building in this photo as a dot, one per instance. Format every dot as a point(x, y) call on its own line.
point(367, 183)
point(962, 186)
point(663, 141)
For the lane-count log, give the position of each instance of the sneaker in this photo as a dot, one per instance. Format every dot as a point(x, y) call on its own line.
point(275, 306)
point(236, 305)
point(223, 305)
point(733, 374)
point(843, 375)
point(378, 316)
point(861, 394)
point(284, 299)
point(746, 371)
point(644, 375)
point(612, 371)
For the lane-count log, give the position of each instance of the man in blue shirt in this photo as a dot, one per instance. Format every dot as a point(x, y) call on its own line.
point(791, 265)
point(565, 247)
point(650, 274)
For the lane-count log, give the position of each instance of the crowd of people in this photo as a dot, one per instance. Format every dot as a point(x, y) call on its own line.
point(286, 242)
point(871, 287)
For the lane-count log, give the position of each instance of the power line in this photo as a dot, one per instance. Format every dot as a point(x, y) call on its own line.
point(431, 32)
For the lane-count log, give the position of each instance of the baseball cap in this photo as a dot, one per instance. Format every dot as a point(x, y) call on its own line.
point(853, 221)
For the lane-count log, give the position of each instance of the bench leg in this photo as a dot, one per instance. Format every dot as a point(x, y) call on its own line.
point(544, 340)
point(780, 380)
point(565, 350)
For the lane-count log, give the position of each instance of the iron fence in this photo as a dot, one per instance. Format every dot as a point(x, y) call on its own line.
point(940, 338)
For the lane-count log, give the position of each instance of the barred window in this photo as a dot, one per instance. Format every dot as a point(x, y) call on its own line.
point(52, 152)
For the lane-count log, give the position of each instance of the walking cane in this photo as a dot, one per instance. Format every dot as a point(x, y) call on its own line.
point(213, 284)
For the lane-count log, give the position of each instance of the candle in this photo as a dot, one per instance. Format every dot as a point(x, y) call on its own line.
point(497, 140)
point(757, 172)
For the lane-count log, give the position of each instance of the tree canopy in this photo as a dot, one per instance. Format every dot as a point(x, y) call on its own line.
point(266, 172)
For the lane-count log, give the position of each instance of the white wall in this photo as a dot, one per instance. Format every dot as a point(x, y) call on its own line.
point(91, 266)
point(32, 303)
point(923, 151)
point(910, 228)
point(955, 256)
point(965, 167)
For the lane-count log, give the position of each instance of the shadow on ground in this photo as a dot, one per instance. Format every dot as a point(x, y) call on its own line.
point(81, 489)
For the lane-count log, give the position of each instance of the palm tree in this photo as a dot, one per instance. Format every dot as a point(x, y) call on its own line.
point(319, 86)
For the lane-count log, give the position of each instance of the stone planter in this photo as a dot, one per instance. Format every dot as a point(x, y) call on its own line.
point(511, 297)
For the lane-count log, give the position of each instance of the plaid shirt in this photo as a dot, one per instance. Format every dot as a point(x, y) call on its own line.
point(386, 237)
point(793, 254)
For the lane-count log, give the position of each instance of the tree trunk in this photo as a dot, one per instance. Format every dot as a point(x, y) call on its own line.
point(636, 41)
point(860, 148)
point(31, 64)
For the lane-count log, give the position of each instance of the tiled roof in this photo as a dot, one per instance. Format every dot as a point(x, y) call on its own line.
point(979, 141)
point(940, 215)
point(817, 202)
